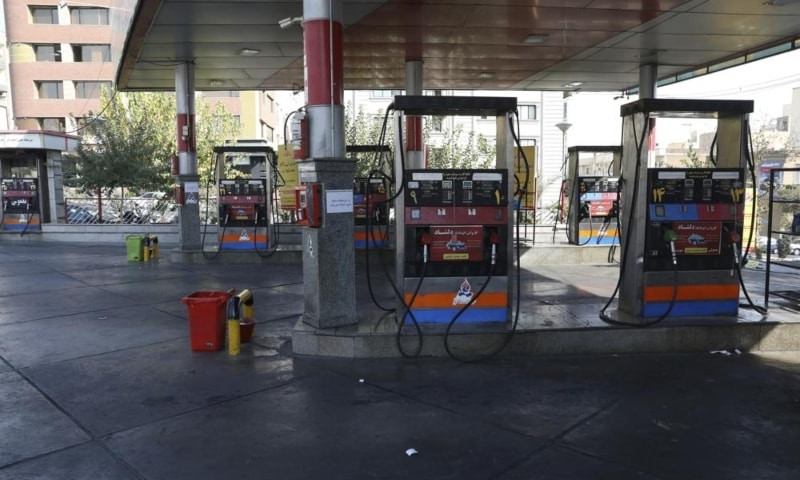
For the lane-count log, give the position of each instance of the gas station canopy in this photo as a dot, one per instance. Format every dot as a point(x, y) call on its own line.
point(589, 45)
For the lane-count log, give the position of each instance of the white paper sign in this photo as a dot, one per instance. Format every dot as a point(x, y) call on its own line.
point(339, 201)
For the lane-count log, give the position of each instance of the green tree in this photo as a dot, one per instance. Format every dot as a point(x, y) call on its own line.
point(129, 145)
point(215, 126)
point(692, 160)
point(121, 148)
point(453, 151)
point(361, 128)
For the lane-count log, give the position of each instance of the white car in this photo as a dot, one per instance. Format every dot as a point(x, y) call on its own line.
point(794, 247)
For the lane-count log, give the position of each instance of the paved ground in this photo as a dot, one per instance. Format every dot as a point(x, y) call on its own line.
point(97, 381)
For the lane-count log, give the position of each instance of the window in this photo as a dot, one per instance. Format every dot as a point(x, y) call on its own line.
point(90, 89)
point(52, 124)
point(88, 16)
point(528, 112)
point(50, 89)
point(48, 52)
point(267, 132)
point(385, 93)
point(44, 15)
point(437, 124)
point(91, 53)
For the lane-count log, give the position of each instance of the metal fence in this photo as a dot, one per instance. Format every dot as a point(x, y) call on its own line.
point(119, 211)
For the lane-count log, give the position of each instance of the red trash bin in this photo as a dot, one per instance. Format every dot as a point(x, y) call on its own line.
point(207, 319)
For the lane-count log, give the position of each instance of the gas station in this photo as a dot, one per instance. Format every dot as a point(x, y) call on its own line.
point(680, 231)
point(676, 376)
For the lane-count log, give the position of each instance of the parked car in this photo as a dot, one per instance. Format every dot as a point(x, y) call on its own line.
point(794, 247)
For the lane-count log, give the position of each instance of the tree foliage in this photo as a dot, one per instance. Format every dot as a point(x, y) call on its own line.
point(448, 149)
point(129, 145)
point(362, 128)
point(455, 151)
point(692, 160)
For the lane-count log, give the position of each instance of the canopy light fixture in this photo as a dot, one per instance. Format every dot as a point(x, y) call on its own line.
point(535, 39)
point(486, 75)
point(215, 82)
point(289, 21)
point(573, 84)
point(249, 52)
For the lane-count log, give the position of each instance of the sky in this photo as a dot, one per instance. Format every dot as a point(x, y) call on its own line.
point(768, 82)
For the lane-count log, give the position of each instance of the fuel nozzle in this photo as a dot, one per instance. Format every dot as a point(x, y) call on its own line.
point(734, 238)
point(494, 239)
point(670, 236)
point(425, 241)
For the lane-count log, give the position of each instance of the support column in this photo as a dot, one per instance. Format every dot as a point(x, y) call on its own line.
point(188, 178)
point(328, 253)
point(648, 78)
point(415, 148)
point(55, 184)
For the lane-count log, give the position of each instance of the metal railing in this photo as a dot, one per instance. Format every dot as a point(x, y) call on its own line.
point(118, 211)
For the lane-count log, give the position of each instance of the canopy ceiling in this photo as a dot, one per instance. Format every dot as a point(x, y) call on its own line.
point(590, 45)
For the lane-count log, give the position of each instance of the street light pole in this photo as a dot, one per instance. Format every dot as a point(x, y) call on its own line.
point(563, 126)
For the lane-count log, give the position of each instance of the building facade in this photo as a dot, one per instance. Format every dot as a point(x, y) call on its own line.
point(59, 55)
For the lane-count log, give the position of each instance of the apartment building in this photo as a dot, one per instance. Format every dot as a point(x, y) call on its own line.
point(60, 54)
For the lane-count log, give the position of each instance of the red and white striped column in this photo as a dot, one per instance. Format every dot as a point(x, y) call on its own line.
point(184, 102)
point(324, 77)
point(189, 216)
point(415, 146)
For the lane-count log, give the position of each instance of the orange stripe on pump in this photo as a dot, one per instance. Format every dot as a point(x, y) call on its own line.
point(445, 300)
point(363, 236)
point(691, 292)
point(611, 232)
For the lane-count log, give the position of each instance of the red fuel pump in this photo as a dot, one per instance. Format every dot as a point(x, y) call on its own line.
point(242, 214)
point(20, 199)
point(456, 232)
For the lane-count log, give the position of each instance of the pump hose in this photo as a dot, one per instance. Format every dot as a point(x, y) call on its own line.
point(205, 228)
point(751, 166)
point(408, 312)
point(510, 333)
point(639, 143)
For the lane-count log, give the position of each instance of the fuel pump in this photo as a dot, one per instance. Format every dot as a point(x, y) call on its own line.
point(20, 200)
point(682, 227)
point(591, 187)
point(457, 228)
point(244, 212)
point(370, 199)
point(453, 225)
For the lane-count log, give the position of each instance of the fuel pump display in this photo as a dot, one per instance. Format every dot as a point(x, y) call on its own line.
point(370, 207)
point(20, 197)
point(456, 240)
point(694, 224)
point(243, 214)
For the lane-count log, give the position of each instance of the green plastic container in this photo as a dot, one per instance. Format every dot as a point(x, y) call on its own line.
point(135, 245)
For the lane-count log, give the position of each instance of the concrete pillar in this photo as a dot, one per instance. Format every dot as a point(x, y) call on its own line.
point(415, 148)
point(55, 184)
point(187, 157)
point(648, 77)
point(328, 253)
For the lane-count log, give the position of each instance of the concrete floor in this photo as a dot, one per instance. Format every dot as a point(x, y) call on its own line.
point(97, 381)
